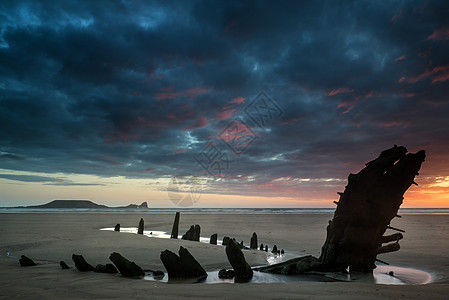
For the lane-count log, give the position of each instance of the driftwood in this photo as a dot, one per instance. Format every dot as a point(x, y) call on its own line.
point(81, 264)
point(26, 261)
point(127, 268)
point(370, 201)
point(107, 268)
point(158, 274)
point(388, 248)
point(293, 266)
point(226, 274)
point(63, 265)
point(393, 228)
point(390, 238)
point(182, 266)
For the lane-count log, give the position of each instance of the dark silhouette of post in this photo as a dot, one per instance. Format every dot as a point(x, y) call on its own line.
point(193, 234)
point(253, 241)
point(213, 239)
point(174, 231)
point(141, 224)
point(237, 260)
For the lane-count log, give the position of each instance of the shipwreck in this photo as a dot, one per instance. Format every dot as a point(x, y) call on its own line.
point(356, 234)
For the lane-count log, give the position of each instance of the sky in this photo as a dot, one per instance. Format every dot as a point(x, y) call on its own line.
point(218, 103)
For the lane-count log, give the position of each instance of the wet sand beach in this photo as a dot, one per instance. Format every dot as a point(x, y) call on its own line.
point(48, 238)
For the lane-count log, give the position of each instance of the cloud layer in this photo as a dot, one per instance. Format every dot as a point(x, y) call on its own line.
point(138, 89)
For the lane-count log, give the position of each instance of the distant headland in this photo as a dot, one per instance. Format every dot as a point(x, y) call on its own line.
point(67, 204)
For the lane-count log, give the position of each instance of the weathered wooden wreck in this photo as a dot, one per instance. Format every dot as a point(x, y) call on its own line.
point(356, 234)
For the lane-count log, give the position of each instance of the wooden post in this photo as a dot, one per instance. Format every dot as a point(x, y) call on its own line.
point(174, 231)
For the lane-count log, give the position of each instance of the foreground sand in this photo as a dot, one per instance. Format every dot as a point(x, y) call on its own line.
point(50, 237)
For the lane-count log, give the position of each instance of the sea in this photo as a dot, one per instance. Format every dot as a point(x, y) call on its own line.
point(199, 210)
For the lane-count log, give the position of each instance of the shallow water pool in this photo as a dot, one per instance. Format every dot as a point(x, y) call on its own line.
point(381, 275)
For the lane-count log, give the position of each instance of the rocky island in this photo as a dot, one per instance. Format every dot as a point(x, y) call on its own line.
point(77, 204)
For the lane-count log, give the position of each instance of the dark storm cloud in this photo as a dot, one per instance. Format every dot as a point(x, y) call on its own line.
point(30, 178)
point(10, 156)
point(137, 88)
point(46, 180)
